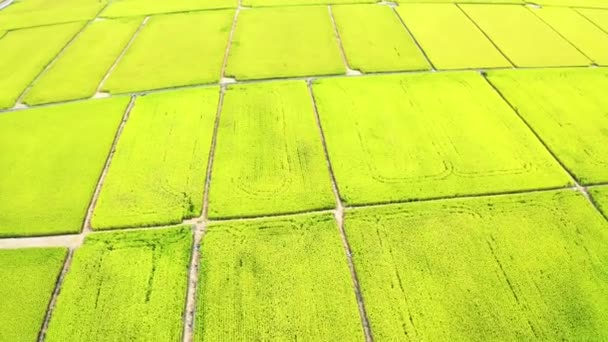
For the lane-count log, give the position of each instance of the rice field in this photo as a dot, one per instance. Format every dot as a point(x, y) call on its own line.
point(317, 170)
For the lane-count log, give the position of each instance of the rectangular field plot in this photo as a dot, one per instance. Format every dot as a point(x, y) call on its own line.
point(261, 3)
point(600, 197)
point(449, 38)
point(127, 8)
point(567, 109)
point(174, 50)
point(525, 39)
point(598, 17)
point(27, 281)
point(505, 268)
point(269, 157)
point(276, 280)
point(586, 36)
point(51, 160)
point(282, 42)
point(574, 3)
point(32, 13)
point(450, 134)
point(25, 53)
point(158, 171)
point(125, 286)
point(78, 72)
point(375, 40)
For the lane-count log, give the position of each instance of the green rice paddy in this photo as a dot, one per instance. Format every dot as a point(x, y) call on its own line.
point(138, 279)
point(312, 170)
point(158, 171)
point(567, 109)
point(27, 281)
point(375, 40)
point(282, 42)
point(582, 33)
point(78, 72)
point(51, 161)
point(257, 282)
point(530, 43)
point(129, 8)
point(40, 45)
point(161, 55)
point(600, 197)
point(450, 134)
point(519, 267)
point(269, 157)
point(449, 38)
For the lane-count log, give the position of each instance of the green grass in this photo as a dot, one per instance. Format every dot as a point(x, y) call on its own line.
point(276, 280)
point(282, 42)
point(31, 13)
point(50, 163)
point(600, 198)
point(525, 39)
point(591, 40)
point(261, 3)
point(375, 40)
point(126, 8)
point(598, 17)
point(158, 172)
point(27, 281)
point(450, 134)
point(174, 50)
point(78, 72)
point(125, 286)
point(567, 108)
point(25, 53)
point(506, 268)
point(449, 38)
point(269, 157)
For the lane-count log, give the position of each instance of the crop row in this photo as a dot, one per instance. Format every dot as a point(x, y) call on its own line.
point(527, 266)
point(172, 50)
point(390, 138)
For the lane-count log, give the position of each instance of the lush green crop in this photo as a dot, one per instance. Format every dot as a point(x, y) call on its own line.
point(287, 41)
point(27, 281)
point(375, 40)
point(261, 3)
point(600, 197)
point(127, 8)
point(449, 38)
point(450, 134)
point(157, 174)
point(525, 39)
point(25, 53)
point(598, 17)
point(79, 70)
point(269, 158)
point(125, 286)
point(31, 13)
point(567, 108)
point(174, 50)
point(590, 39)
point(50, 163)
point(577, 3)
point(518, 267)
point(276, 279)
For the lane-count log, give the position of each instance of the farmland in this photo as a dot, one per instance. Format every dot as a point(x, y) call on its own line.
point(27, 282)
point(269, 158)
point(138, 278)
point(303, 170)
point(167, 185)
point(257, 274)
